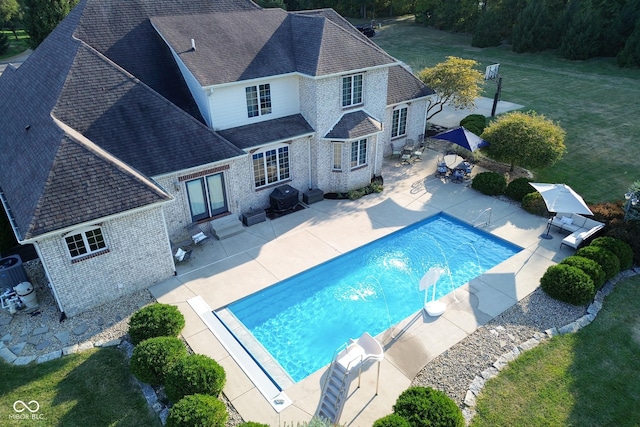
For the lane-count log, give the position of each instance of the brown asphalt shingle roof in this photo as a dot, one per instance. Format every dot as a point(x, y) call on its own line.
point(354, 125)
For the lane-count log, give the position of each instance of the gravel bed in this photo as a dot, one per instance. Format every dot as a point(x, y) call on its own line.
point(454, 370)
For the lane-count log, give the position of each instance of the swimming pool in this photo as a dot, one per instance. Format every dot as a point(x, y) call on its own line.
point(302, 320)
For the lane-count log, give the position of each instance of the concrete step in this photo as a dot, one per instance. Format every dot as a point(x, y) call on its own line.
point(226, 227)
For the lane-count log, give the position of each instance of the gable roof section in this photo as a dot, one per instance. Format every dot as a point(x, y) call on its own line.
point(85, 184)
point(244, 45)
point(132, 122)
point(354, 125)
point(249, 136)
point(120, 30)
point(404, 86)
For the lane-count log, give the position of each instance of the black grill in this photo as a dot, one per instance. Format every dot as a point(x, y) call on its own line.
point(283, 198)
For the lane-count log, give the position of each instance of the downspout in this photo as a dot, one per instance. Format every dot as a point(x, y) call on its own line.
point(36, 245)
point(309, 155)
point(166, 235)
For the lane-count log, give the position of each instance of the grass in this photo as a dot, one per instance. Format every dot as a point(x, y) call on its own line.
point(590, 378)
point(16, 46)
point(594, 101)
point(92, 388)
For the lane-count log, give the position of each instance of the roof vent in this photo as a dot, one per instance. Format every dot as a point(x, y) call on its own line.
point(193, 45)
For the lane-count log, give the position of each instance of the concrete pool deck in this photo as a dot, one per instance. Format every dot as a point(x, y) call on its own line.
point(221, 272)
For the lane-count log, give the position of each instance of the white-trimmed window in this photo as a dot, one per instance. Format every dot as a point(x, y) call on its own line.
point(258, 100)
point(337, 156)
point(358, 153)
point(85, 242)
point(399, 122)
point(271, 166)
point(207, 196)
point(352, 90)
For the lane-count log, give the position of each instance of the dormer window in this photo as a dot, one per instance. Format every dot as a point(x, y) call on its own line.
point(352, 90)
point(258, 100)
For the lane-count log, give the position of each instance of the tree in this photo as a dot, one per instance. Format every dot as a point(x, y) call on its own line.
point(8, 9)
point(42, 16)
point(527, 139)
point(455, 83)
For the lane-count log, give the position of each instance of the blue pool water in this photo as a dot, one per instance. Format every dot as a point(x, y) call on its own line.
point(301, 321)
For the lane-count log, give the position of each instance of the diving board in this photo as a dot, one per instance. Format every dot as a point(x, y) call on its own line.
point(276, 398)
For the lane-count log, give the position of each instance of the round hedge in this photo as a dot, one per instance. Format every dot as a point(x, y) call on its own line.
point(193, 374)
point(153, 358)
point(569, 284)
point(391, 420)
point(589, 266)
point(198, 410)
point(474, 123)
point(534, 204)
point(490, 183)
point(518, 188)
point(621, 249)
point(607, 259)
point(427, 407)
point(155, 320)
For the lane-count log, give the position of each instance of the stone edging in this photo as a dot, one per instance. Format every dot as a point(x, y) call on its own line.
point(501, 362)
point(11, 358)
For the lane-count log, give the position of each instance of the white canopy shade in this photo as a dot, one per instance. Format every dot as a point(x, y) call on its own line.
point(562, 198)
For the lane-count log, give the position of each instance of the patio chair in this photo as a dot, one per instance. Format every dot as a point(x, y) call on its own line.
point(182, 255)
point(441, 168)
point(197, 235)
point(406, 155)
point(418, 153)
point(457, 175)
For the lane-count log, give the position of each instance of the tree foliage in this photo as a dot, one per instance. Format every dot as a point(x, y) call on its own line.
point(42, 16)
point(526, 139)
point(8, 10)
point(455, 82)
point(535, 30)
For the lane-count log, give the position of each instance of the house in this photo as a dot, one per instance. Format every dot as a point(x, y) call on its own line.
point(134, 119)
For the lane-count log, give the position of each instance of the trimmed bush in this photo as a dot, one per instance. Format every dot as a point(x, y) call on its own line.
point(490, 183)
point(193, 374)
point(428, 407)
point(534, 204)
point(607, 259)
point(155, 320)
point(569, 284)
point(518, 188)
point(392, 420)
point(621, 249)
point(589, 266)
point(474, 123)
point(628, 232)
point(153, 358)
point(198, 410)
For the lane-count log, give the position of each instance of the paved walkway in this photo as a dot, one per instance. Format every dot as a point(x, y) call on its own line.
point(223, 271)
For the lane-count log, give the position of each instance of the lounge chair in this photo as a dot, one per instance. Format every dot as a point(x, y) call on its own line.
point(395, 151)
point(581, 228)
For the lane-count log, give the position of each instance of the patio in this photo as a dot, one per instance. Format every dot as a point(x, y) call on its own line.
point(220, 272)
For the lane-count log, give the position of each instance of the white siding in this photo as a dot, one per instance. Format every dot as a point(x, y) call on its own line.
point(228, 104)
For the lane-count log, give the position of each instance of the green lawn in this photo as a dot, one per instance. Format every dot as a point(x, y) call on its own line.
point(594, 101)
point(590, 378)
point(16, 46)
point(92, 388)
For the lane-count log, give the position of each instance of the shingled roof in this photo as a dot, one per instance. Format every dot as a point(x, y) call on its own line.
point(77, 128)
point(254, 44)
point(281, 129)
point(356, 124)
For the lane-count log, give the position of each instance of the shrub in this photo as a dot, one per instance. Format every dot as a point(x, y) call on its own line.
point(569, 284)
point(589, 266)
point(607, 212)
point(156, 320)
point(490, 183)
point(620, 249)
point(198, 410)
point(193, 374)
point(629, 232)
point(474, 123)
point(518, 188)
point(153, 358)
point(392, 420)
point(252, 424)
point(427, 407)
point(607, 259)
point(534, 204)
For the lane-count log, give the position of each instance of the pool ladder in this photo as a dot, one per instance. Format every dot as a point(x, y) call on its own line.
point(336, 387)
point(482, 213)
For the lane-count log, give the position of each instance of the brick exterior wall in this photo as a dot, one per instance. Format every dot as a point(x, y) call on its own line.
point(416, 123)
point(138, 256)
